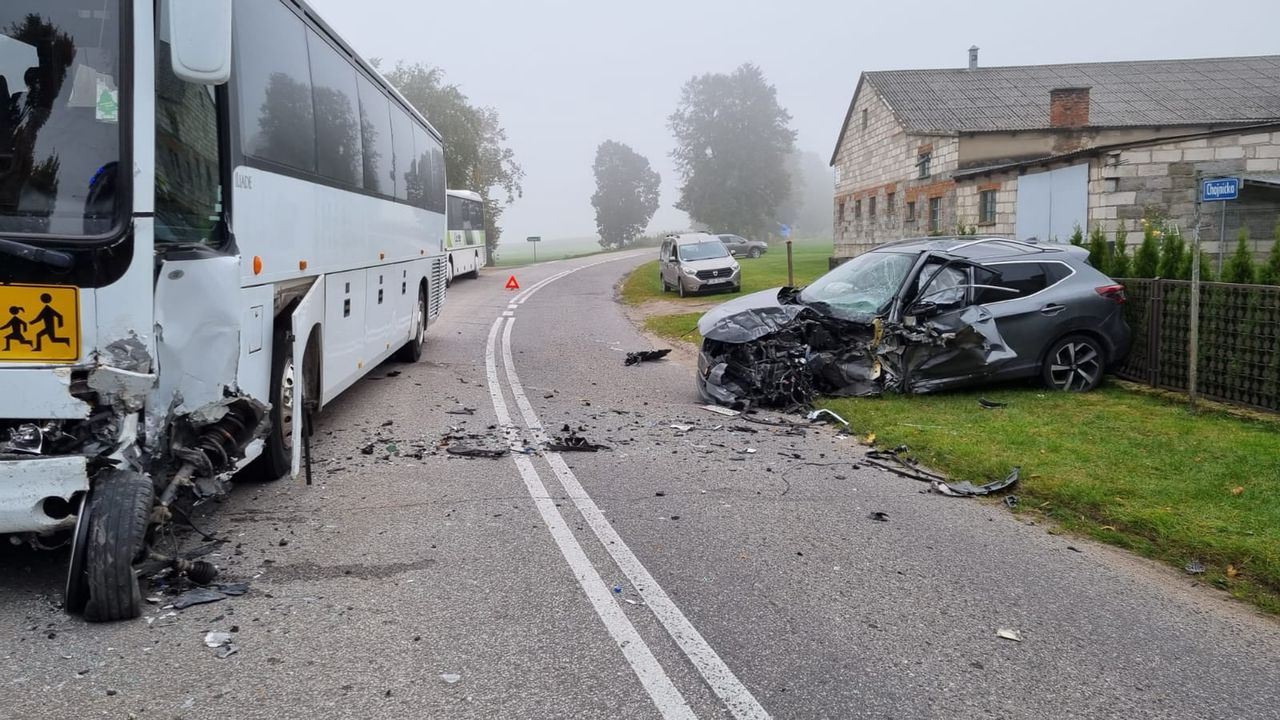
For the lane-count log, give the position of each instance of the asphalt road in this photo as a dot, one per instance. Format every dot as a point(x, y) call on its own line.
point(675, 575)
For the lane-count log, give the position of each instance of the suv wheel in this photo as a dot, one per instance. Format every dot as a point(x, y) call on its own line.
point(754, 253)
point(1074, 364)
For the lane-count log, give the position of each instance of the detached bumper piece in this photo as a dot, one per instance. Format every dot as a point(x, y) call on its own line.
point(38, 495)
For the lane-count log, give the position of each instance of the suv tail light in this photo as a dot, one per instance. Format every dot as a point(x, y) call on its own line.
point(1115, 293)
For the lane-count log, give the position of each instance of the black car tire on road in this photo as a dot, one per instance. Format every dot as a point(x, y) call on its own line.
point(1075, 363)
point(120, 511)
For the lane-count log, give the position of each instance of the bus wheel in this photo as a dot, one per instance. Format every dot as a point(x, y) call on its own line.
point(412, 350)
point(276, 459)
point(448, 275)
point(119, 509)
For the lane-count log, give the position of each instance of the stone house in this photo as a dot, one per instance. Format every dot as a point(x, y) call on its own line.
point(1036, 151)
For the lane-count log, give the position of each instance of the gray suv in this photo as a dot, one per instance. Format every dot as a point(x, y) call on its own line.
point(697, 262)
point(739, 246)
point(918, 316)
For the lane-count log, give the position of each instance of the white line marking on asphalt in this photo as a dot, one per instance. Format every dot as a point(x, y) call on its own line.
point(719, 677)
point(666, 697)
point(508, 314)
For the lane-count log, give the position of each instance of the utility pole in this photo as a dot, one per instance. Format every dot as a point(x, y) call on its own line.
point(791, 272)
point(1193, 331)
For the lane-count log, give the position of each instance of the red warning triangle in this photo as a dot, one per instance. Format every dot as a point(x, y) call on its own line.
point(512, 284)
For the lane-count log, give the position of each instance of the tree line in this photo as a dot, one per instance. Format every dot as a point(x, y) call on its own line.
point(1163, 252)
point(734, 151)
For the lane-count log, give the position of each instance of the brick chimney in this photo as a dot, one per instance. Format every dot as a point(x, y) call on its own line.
point(1069, 107)
point(973, 57)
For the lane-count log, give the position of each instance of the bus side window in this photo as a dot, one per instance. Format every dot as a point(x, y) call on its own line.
point(405, 164)
point(277, 116)
point(337, 115)
point(375, 135)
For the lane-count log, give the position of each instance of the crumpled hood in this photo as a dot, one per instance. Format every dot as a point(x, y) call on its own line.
point(749, 317)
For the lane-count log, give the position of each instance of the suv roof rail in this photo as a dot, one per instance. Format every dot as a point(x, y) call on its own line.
point(983, 241)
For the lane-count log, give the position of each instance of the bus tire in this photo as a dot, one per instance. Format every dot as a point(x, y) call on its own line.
point(448, 275)
point(276, 459)
point(412, 350)
point(120, 512)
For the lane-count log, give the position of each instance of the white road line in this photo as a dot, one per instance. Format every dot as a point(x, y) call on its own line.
point(736, 697)
point(666, 697)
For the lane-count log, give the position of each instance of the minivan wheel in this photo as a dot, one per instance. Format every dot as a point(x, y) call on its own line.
point(754, 253)
point(1074, 364)
point(663, 280)
point(680, 286)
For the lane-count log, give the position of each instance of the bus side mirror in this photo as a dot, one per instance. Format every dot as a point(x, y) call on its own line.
point(200, 38)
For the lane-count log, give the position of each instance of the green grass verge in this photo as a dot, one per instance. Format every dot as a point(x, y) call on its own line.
point(1126, 468)
point(810, 258)
point(682, 327)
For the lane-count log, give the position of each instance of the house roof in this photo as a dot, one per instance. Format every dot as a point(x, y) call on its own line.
point(1144, 93)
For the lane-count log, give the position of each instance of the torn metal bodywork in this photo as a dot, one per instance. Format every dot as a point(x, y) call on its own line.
point(772, 349)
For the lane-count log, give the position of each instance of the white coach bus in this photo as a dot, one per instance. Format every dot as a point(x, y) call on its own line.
point(214, 218)
point(466, 241)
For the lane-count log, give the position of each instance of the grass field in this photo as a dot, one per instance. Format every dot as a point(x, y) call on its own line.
point(681, 327)
point(1127, 468)
point(520, 252)
point(810, 258)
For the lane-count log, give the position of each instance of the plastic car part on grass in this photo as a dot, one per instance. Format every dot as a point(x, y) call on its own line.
point(896, 462)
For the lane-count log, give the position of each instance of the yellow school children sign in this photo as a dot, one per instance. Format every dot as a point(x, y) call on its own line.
point(39, 323)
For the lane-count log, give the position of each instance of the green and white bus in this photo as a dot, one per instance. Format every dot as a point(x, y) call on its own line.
point(466, 241)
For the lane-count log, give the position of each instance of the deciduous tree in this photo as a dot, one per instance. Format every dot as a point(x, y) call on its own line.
point(475, 144)
point(732, 141)
point(626, 194)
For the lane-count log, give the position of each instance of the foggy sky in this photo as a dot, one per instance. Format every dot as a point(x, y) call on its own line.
point(566, 75)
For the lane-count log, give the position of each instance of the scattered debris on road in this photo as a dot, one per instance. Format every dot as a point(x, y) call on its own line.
point(1195, 567)
point(571, 441)
point(721, 410)
point(897, 462)
point(221, 641)
point(879, 516)
point(450, 678)
point(986, 404)
point(476, 451)
point(826, 416)
point(635, 358)
point(461, 410)
point(1008, 634)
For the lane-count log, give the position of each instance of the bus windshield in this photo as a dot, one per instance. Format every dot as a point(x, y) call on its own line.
point(60, 117)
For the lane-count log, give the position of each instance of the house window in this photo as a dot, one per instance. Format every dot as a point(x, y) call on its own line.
point(987, 207)
point(857, 209)
point(891, 204)
point(871, 207)
point(935, 215)
point(841, 215)
point(922, 164)
point(911, 211)
point(865, 121)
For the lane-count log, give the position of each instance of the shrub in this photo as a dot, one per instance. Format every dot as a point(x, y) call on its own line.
point(1120, 262)
point(1239, 268)
point(1099, 253)
point(1077, 237)
point(1147, 261)
point(1269, 272)
point(1173, 250)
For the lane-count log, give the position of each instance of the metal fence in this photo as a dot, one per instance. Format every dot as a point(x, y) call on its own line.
point(1239, 339)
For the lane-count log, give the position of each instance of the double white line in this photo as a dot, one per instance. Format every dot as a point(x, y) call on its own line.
point(666, 697)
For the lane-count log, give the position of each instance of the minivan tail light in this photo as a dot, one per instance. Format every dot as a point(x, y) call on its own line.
point(1114, 293)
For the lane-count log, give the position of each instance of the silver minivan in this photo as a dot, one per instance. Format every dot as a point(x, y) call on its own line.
point(697, 262)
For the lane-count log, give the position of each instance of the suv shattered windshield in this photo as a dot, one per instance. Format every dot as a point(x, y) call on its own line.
point(59, 116)
point(703, 251)
point(861, 288)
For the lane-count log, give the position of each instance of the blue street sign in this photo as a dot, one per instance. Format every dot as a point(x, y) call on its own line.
point(784, 230)
point(1227, 188)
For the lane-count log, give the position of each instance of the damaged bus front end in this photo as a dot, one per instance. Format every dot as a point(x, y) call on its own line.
point(118, 410)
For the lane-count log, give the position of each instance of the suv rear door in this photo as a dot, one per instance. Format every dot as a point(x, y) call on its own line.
point(1030, 303)
point(733, 243)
